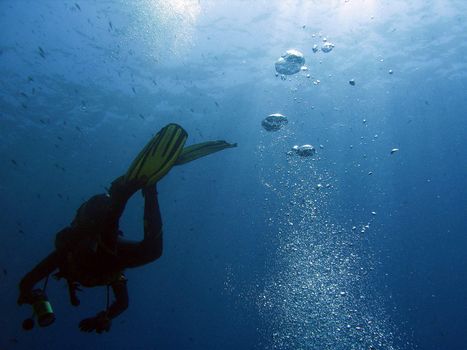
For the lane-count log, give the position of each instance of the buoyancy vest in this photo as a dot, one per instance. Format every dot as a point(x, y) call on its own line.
point(84, 259)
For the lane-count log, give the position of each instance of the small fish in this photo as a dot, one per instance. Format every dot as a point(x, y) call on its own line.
point(41, 52)
point(21, 231)
point(77, 6)
point(60, 138)
point(30, 78)
point(154, 82)
point(394, 150)
point(79, 129)
point(24, 105)
point(5, 272)
point(43, 121)
point(60, 195)
point(192, 110)
point(142, 116)
point(217, 104)
point(24, 95)
point(14, 161)
point(132, 88)
point(110, 25)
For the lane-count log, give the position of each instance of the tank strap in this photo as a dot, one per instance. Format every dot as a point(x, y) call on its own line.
point(45, 282)
point(108, 298)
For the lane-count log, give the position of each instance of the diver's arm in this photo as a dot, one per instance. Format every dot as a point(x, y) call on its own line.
point(42, 270)
point(133, 254)
point(120, 192)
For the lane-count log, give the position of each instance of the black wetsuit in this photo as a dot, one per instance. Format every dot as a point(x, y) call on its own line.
point(125, 254)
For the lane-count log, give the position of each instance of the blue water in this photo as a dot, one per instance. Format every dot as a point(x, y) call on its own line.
point(259, 250)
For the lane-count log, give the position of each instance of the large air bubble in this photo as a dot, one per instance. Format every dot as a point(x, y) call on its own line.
point(327, 47)
point(304, 150)
point(290, 63)
point(274, 122)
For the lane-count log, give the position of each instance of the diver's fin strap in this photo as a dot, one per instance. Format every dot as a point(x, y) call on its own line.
point(199, 150)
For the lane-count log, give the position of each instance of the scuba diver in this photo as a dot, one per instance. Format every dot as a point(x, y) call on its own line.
point(90, 252)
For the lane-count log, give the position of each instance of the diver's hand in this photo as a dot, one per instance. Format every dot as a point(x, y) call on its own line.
point(99, 323)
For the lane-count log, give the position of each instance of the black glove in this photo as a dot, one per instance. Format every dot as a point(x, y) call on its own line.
point(99, 323)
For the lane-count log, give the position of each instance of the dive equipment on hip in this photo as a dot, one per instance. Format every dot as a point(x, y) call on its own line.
point(42, 311)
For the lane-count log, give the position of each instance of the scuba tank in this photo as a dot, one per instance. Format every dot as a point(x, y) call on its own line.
point(42, 310)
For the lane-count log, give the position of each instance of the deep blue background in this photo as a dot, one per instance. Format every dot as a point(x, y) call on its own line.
point(256, 256)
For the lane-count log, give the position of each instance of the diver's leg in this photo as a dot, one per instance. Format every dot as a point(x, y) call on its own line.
point(152, 242)
point(120, 192)
point(152, 214)
point(133, 254)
